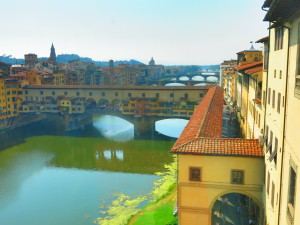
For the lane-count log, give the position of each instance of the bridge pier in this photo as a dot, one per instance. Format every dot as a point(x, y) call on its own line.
point(142, 125)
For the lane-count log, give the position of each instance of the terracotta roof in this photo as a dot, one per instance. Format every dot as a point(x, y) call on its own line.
point(207, 118)
point(221, 146)
point(233, 66)
point(257, 101)
point(229, 71)
point(203, 133)
point(249, 66)
point(254, 70)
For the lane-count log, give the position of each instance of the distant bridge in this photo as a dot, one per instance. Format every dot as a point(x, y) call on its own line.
point(205, 75)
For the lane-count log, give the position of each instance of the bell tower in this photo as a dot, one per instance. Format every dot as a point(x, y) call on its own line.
point(52, 54)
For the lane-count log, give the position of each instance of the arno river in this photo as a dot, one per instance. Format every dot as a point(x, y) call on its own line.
point(51, 177)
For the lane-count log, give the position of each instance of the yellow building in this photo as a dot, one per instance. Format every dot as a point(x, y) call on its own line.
point(282, 145)
point(212, 169)
point(59, 78)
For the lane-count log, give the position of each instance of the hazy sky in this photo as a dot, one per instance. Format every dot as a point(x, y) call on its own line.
point(172, 31)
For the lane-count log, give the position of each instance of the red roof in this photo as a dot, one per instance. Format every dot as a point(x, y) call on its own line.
point(207, 118)
point(222, 146)
point(254, 70)
point(257, 101)
point(203, 133)
point(249, 65)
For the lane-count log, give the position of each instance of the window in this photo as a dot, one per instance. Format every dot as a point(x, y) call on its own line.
point(279, 38)
point(195, 174)
point(273, 193)
point(129, 95)
point(102, 93)
point(116, 94)
point(237, 177)
point(53, 92)
point(278, 102)
point(268, 183)
point(186, 95)
point(171, 95)
point(269, 147)
point(157, 95)
point(273, 100)
point(90, 94)
point(143, 95)
point(269, 96)
point(274, 73)
point(66, 93)
point(201, 95)
point(41, 92)
point(280, 74)
point(77, 93)
point(291, 194)
point(274, 154)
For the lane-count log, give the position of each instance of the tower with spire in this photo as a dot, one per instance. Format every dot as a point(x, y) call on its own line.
point(52, 54)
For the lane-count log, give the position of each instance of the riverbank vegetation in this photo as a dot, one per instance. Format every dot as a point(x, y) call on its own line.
point(124, 207)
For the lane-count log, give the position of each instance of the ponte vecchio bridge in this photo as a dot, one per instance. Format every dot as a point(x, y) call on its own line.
point(140, 105)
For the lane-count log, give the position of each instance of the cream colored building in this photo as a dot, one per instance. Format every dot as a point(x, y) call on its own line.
point(282, 123)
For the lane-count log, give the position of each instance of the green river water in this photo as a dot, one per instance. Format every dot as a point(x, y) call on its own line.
point(48, 177)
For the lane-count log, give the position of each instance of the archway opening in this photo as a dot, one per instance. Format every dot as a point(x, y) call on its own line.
point(175, 84)
point(170, 127)
point(103, 104)
point(184, 78)
point(90, 104)
point(235, 208)
point(212, 79)
point(198, 78)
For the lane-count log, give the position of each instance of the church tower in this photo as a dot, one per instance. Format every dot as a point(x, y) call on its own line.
point(52, 54)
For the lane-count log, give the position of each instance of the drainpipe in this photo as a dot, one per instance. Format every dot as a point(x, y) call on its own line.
point(284, 119)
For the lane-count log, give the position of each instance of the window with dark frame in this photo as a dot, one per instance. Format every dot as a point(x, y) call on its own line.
point(237, 177)
point(273, 194)
point(291, 195)
point(278, 38)
point(195, 174)
point(268, 183)
point(273, 99)
point(269, 96)
point(278, 103)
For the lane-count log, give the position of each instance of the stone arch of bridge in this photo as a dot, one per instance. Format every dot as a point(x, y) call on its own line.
point(103, 102)
point(198, 76)
point(214, 76)
point(90, 103)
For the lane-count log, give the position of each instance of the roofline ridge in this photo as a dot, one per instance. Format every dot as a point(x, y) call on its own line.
point(207, 110)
